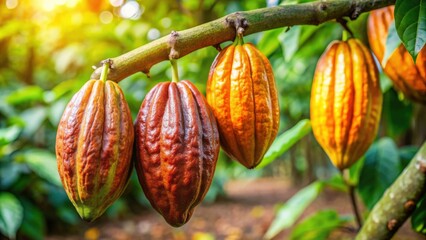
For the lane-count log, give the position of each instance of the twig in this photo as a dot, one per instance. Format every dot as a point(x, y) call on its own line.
point(352, 197)
point(355, 206)
point(398, 202)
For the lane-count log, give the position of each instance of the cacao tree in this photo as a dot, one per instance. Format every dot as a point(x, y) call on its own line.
point(29, 111)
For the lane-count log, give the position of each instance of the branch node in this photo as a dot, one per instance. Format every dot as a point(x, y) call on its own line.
point(421, 165)
point(392, 224)
point(172, 43)
point(355, 14)
point(237, 21)
point(409, 206)
point(344, 24)
point(217, 47)
point(109, 61)
point(323, 7)
point(147, 74)
point(101, 63)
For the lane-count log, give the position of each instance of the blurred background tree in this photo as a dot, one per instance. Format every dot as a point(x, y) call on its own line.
point(48, 48)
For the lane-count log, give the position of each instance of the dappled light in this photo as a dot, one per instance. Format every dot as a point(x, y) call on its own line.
point(168, 120)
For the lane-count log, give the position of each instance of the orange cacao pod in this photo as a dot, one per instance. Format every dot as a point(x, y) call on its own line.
point(407, 76)
point(93, 147)
point(176, 146)
point(346, 102)
point(241, 91)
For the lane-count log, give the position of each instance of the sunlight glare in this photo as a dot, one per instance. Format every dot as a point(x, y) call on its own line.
point(61, 2)
point(11, 4)
point(130, 10)
point(71, 3)
point(106, 17)
point(49, 5)
point(166, 22)
point(116, 3)
point(153, 34)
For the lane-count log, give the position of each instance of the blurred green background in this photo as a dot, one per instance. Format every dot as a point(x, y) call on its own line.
point(48, 48)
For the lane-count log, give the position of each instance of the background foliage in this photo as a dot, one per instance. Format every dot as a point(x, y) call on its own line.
point(47, 49)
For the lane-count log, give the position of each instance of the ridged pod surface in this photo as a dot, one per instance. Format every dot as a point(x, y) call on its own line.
point(241, 91)
point(176, 146)
point(407, 76)
point(94, 143)
point(346, 102)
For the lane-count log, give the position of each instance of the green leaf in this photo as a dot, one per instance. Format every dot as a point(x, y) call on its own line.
point(268, 43)
point(385, 82)
point(318, 226)
point(336, 182)
point(381, 168)
point(68, 214)
point(418, 219)
point(397, 114)
point(33, 224)
point(410, 23)
point(355, 171)
point(44, 164)
point(33, 119)
point(119, 207)
point(9, 134)
point(11, 214)
point(285, 141)
point(407, 153)
point(290, 41)
point(10, 173)
point(55, 111)
point(10, 28)
point(392, 43)
point(25, 95)
point(288, 213)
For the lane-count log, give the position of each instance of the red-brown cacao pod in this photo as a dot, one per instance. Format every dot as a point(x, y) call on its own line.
point(94, 143)
point(346, 102)
point(241, 91)
point(407, 76)
point(176, 146)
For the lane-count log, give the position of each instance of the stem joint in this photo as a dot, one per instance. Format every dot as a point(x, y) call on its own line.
point(239, 22)
point(174, 54)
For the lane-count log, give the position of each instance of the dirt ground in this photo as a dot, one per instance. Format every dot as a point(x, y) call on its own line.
point(246, 213)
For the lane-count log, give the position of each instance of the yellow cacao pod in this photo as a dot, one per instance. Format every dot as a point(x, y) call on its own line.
point(346, 102)
point(407, 76)
point(241, 91)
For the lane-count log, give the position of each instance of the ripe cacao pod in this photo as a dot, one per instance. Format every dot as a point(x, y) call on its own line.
point(407, 76)
point(176, 146)
point(346, 102)
point(241, 91)
point(93, 147)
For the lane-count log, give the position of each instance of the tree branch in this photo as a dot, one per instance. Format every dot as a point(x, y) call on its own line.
point(398, 202)
point(219, 31)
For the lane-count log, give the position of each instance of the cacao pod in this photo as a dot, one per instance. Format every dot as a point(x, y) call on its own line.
point(93, 147)
point(407, 76)
point(176, 146)
point(346, 102)
point(241, 91)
